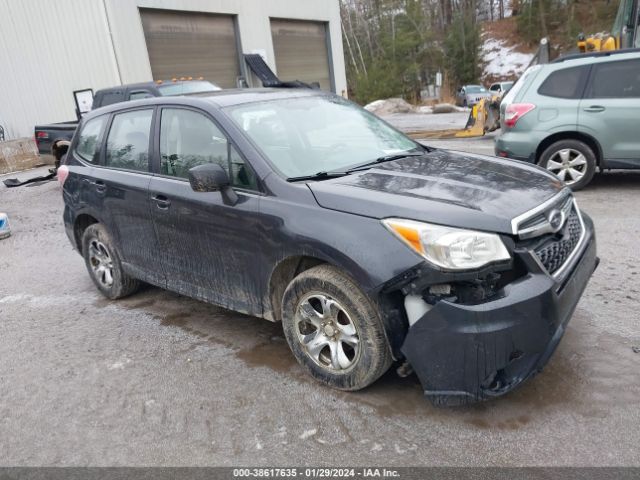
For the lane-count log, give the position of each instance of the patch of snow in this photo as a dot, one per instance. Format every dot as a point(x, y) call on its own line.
point(501, 60)
point(389, 106)
point(373, 106)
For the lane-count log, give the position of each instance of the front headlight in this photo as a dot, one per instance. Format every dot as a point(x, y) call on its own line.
point(448, 247)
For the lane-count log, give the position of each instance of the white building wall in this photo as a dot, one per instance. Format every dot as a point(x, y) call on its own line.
point(48, 49)
point(51, 48)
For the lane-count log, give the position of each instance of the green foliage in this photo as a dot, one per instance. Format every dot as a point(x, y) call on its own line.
point(462, 48)
point(400, 59)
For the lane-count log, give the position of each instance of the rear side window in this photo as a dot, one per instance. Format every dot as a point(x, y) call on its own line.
point(139, 94)
point(616, 80)
point(189, 139)
point(109, 98)
point(128, 140)
point(566, 83)
point(90, 139)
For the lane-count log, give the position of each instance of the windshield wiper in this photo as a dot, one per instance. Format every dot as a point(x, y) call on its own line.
point(385, 158)
point(318, 176)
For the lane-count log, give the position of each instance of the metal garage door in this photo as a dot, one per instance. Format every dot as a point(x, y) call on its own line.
point(186, 44)
point(301, 51)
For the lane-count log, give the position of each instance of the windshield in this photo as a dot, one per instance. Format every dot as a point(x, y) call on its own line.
point(475, 89)
point(187, 87)
point(304, 136)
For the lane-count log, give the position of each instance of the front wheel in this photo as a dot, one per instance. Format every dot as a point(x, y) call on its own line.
point(334, 330)
point(572, 161)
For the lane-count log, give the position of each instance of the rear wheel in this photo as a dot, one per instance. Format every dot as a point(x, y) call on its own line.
point(103, 263)
point(572, 161)
point(334, 330)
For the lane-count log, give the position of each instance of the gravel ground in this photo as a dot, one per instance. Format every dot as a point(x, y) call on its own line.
point(159, 379)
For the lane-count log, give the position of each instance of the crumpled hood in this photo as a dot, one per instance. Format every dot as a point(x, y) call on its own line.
point(443, 187)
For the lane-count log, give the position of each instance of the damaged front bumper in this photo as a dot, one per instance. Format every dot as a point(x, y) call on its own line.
point(466, 353)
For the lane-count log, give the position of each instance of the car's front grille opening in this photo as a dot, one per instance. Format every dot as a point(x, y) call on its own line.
point(554, 253)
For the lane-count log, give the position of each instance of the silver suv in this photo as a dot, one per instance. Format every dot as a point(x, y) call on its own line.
point(575, 115)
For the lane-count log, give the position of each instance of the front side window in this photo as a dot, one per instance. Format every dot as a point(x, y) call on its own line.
point(189, 139)
point(616, 80)
point(566, 83)
point(90, 138)
point(304, 136)
point(128, 140)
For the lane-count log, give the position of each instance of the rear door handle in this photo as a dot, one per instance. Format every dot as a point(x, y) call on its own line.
point(595, 109)
point(100, 186)
point(162, 202)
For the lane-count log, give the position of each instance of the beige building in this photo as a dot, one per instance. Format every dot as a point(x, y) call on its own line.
point(52, 48)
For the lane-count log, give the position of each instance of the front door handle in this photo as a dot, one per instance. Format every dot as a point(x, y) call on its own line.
point(595, 109)
point(162, 202)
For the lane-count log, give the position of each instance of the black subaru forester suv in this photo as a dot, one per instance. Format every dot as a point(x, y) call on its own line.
point(302, 208)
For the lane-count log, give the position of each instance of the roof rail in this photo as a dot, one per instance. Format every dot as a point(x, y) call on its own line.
point(609, 53)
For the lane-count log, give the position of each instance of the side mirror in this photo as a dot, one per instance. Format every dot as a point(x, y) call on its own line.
point(211, 177)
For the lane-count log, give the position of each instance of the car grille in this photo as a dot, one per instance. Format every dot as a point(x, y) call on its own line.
point(554, 253)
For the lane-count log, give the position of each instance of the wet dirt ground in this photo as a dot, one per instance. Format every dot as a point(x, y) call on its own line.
point(159, 379)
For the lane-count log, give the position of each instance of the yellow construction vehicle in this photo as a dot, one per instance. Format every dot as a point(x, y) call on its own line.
point(624, 33)
point(483, 118)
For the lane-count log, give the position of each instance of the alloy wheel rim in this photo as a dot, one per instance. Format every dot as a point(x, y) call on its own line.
point(326, 333)
point(568, 165)
point(101, 262)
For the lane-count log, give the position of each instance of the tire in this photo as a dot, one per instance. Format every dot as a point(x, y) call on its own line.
point(559, 157)
point(103, 264)
point(351, 327)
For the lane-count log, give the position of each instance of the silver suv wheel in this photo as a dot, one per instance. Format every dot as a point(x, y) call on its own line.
point(327, 334)
point(101, 262)
point(569, 165)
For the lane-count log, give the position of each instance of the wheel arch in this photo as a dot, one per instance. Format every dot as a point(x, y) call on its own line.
point(293, 265)
point(281, 276)
point(393, 320)
point(571, 135)
point(81, 223)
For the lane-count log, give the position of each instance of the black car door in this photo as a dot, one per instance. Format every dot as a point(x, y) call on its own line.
point(121, 191)
point(209, 249)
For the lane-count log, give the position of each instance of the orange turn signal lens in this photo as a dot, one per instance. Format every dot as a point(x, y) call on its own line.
point(408, 234)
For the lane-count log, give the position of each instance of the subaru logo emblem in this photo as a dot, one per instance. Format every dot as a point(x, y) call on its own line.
point(556, 220)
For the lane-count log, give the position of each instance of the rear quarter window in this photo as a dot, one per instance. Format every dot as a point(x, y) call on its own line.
point(109, 98)
point(90, 139)
point(565, 83)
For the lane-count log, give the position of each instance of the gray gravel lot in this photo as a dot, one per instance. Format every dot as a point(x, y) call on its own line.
point(159, 379)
